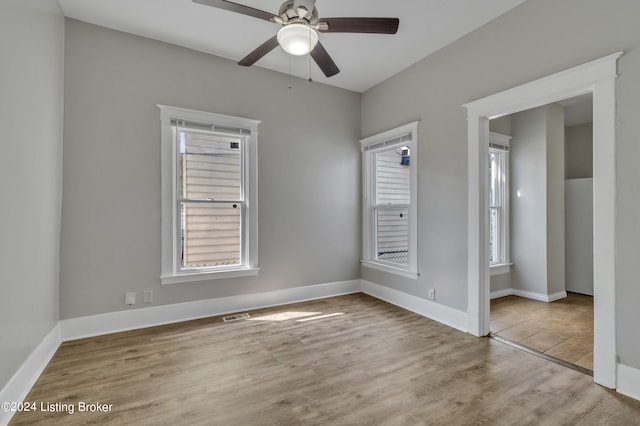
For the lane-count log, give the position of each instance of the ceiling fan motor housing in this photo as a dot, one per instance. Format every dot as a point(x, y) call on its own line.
point(302, 11)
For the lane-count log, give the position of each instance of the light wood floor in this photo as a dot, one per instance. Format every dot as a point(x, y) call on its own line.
point(562, 329)
point(349, 360)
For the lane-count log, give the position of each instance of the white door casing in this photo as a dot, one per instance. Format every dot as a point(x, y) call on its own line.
point(598, 77)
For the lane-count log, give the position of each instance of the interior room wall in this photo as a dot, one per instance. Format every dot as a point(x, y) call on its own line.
point(579, 151)
point(529, 170)
point(579, 208)
point(501, 125)
point(500, 282)
point(578, 157)
point(309, 170)
point(533, 40)
point(31, 108)
point(579, 235)
point(555, 199)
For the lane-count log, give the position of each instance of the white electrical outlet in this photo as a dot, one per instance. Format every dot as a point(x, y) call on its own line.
point(147, 296)
point(130, 298)
point(432, 294)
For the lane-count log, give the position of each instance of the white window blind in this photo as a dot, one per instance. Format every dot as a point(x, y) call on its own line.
point(209, 196)
point(389, 193)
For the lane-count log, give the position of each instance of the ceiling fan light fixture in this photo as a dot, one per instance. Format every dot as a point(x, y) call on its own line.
point(297, 39)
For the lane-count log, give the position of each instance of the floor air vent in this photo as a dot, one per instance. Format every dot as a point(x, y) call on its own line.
point(236, 317)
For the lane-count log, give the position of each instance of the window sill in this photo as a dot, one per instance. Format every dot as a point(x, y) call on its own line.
point(390, 269)
point(500, 268)
point(209, 275)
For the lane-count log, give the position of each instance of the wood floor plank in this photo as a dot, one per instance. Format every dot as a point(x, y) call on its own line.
point(562, 329)
point(349, 360)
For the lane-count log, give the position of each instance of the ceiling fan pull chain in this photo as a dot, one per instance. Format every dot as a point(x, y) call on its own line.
point(309, 61)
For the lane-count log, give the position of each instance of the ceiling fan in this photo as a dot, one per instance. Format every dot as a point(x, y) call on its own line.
point(299, 33)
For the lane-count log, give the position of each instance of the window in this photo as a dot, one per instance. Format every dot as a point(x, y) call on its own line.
point(209, 194)
point(389, 206)
point(498, 202)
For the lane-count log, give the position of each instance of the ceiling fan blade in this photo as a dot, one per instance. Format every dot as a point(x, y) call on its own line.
point(324, 61)
point(238, 8)
point(262, 50)
point(360, 25)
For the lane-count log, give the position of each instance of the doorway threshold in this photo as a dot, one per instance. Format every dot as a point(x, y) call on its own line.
point(542, 355)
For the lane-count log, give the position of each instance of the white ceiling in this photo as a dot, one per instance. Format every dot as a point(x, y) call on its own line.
point(364, 59)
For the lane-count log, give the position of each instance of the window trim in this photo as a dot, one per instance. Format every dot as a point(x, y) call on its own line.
point(504, 265)
point(170, 273)
point(386, 140)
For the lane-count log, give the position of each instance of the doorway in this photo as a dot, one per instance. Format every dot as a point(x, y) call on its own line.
point(541, 281)
point(597, 77)
point(560, 331)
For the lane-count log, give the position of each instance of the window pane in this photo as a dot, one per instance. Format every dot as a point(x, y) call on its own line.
point(392, 244)
point(493, 179)
point(392, 178)
point(210, 234)
point(494, 236)
point(209, 166)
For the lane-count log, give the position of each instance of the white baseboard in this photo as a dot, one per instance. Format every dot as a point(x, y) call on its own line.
point(18, 387)
point(501, 293)
point(628, 379)
point(528, 294)
point(23, 380)
point(113, 322)
point(94, 325)
point(435, 311)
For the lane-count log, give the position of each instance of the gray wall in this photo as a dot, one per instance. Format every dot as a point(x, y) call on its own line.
point(500, 282)
point(579, 208)
point(579, 235)
point(579, 151)
point(555, 198)
point(531, 41)
point(529, 209)
point(537, 248)
point(309, 170)
point(501, 125)
point(31, 107)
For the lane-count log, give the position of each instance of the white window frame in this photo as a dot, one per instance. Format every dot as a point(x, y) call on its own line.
point(171, 273)
point(369, 147)
point(503, 265)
